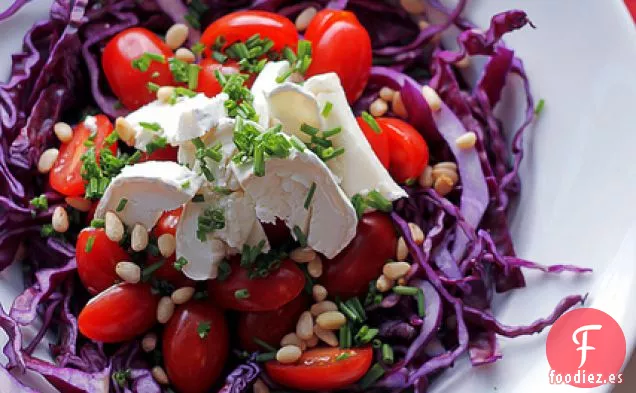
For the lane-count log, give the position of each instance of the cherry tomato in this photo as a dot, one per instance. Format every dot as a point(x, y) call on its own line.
point(342, 45)
point(409, 151)
point(168, 153)
point(66, 175)
point(120, 313)
point(96, 267)
point(128, 83)
point(241, 25)
point(350, 272)
point(208, 84)
point(263, 294)
point(379, 142)
point(319, 369)
point(277, 233)
point(195, 347)
point(270, 326)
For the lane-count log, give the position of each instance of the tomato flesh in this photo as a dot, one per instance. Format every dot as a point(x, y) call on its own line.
point(96, 268)
point(409, 151)
point(66, 175)
point(379, 142)
point(128, 83)
point(193, 362)
point(319, 369)
point(342, 45)
point(349, 273)
point(120, 313)
point(270, 326)
point(277, 289)
point(168, 153)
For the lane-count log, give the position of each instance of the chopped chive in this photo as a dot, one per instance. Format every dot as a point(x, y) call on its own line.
point(387, 354)
point(322, 142)
point(185, 185)
point(283, 77)
point(410, 181)
point(370, 120)
point(218, 56)
point(265, 357)
point(182, 91)
point(193, 76)
point(297, 143)
point(259, 161)
point(155, 57)
point(345, 336)
point(153, 87)
point(203, 329)
point(289, 55)
point(222, 190)
point(375, 372)
point(121, 205)
point(263, 344)
point(333, 154)
point(180, 263)
point(192, 20)
point(327, 109)
point(332, 132)
point(300, 236)
point(89, 243)
point(354, 304)
point(405, 291)
point(310, 195)
point(147, 273)
point(539, 108)
point(421, 311)
point(343, 356)
point(198, 198)
point(198, 48)
point(376, 343)
point(377, 201)
point(242, 294)
point(40, 202)
point(351, 314)
point(366, 334)
point(98, 223)
point(224, 271)
point(309, 130)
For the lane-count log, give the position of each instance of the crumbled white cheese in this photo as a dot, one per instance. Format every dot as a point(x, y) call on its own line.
point(91, 123)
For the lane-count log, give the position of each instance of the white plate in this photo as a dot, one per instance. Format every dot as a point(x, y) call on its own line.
point(578, 178)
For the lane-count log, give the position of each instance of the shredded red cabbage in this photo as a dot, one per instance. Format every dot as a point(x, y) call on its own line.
point(468, 252)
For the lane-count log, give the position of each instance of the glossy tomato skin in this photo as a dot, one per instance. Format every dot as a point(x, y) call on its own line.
point(379, 142)
point(208, 84)
point(342, 45)
point(349, 273)
point(409, 151)
point(96, 268)
point(277, 289)
point(241, 25)
point(66, 175)
point(168, 153)
point(120, 313)
point(128, 83)
point(194, 363)
point(270, 326)
point(319, 370)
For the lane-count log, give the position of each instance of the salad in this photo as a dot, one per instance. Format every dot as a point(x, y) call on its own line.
point(258, 195)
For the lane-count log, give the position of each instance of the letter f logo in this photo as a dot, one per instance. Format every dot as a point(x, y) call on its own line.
point(583, 344)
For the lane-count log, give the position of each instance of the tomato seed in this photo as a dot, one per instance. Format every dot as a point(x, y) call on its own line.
point(292, 339)
point(466, 141)
point(426, 178)
point(302, 255)
point(416, 233)
point(378, 108)
point(184, 54)
point(398, 106)
point(443, 185)
point(432, 98)
point(125, 131)
point(386, 93)
point(314, 268)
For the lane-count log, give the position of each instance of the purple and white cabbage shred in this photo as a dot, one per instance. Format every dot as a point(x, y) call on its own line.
point(468, 253)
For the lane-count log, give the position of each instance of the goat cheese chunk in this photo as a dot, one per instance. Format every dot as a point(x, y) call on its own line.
point(264, 83)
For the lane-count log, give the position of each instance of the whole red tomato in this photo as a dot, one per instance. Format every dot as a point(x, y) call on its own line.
point(349, 273)
point(127, 82)
point(409, 151)
point(342, 45)
point(379, 142)
point(208, 84)
point(96, 264)
point(195, 346)
point(168, 153)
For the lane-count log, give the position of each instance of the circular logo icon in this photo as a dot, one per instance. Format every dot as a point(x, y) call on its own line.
point(585, 348)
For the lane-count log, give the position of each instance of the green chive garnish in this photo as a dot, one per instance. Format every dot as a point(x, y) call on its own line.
point(150, 126)
point(89, 243)
point(147, 273)
point(310, 195)
point(300, 236)
point(185, 185)
point(343, 356)
point(242, 294)
point(98, 223)
point(539, 108)
point(193, 76)
point(345, 336)
point(121, 205)
point(180, 263)
point(387, 354)
point(405, 291)
point(203, 329)
point(263, 344)
point(375, 372)
point(370, 120)
point(153, 87)
point(327, 109)
point(420, 304)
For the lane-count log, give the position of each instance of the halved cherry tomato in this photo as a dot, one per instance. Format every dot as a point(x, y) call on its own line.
point(120, 313)
point(263, 294)
point(409, 151)
point(168, 224)
point(66, 175)
point(96, 266)
point(342, 45)
point(168, 153)
point(208, 84)
point(350, 272)
point(128, 83)
point(277, 233)
point(320, 369)
point(379, 142)
point(241, 25)
point(270, 326)
point(195, 347)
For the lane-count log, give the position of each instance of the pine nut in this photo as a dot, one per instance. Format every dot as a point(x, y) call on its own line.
point(304, 18)
point(293, 339)
point(446, 164)
point(288, 354)
point(432, 98)
point(63, 132)
point(443, 185)
point(464, 62)
point(437, 172)
point(149, 342)
point(165, 309)
point(139, 238)
point(79, 203)
point(423, 24)
point(314, 268)
point(416, 233)
point(176, 35)
point(125, 131)
point(167, 244)
point(426, 178)
point(113, 227)
point(159, 374)
point(319, 292)
point(323, 307)
point(182, 295)
point(383, 284)
point(305, 326)
point(378, 108)
point(165, 93)
point(260, 387)
point(466, 141)
point(398, 106)
point(302, 255)
point(332, 320)
point(312, 342)
point(402, 251)
point(386, 93)
point(185, 54)
point(413, 6)
point(327, 336)
point(395, 270)
point(47, 159)
point(128, 271)
point(60, 220)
